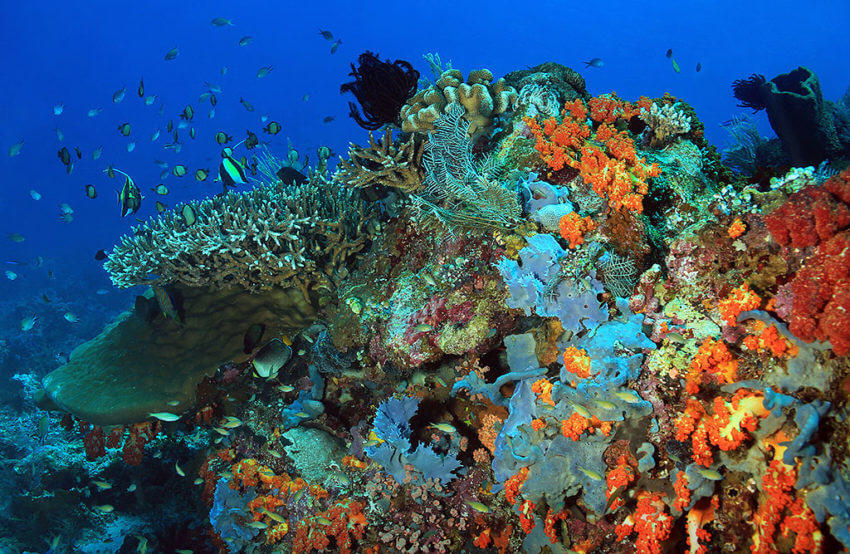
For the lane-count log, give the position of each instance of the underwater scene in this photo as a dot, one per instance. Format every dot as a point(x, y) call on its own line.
point(387, 277)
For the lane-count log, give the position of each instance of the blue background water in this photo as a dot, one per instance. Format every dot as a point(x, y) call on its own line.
point(79, 53)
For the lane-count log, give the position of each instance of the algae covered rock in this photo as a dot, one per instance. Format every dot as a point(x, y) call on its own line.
point(137, 366)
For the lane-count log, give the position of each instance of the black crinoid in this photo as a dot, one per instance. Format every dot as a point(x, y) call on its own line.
point(750, 92)
point(381, 88)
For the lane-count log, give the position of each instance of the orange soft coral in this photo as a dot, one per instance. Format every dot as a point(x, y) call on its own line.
point(343, 521)
point(577, 424)
point(526, 516)
point(573, 227)
point(651, 523)
point(608, 108)
point(683, 493)
point(727, 429)
point(713, 358)
point(737, 228)
point(577, 362)
point(513, 484)
point(769, 339)
point(739, 300)
point(620, 476)
point(549, 524)
point(543, 389)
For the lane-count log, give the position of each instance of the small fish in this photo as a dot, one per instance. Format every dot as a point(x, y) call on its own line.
point(221, 431)
point(78, 152)
point(142, 547)
point(132, 487)
point(286, 388)
point(301, 414)
point(171, 54)
point(59, 134)
point(15, 149)
point(264, 71)
point(141, 90)
point(257, 525)
point(150, 100)
point(184, 551)
point(669, 53)
point(321, 519)
point(178, 170)
point(102, 485)
point(676, 66)
point(95, 155)
point(131, 146)
point(221, 22)
point(222, 138)
point(71, 317)
point(251, 141)
point(169, 127)
point(201, 174)
point(28, 323)
point(224, 70)
point(423, 328)
point(213, 100)
point(104, 508)
point(160, 207)
point(188, 214)
point(94, 111)
point(58, 109)
point(590, 473)
point(581, 410)
point(179, 471)
point(327, 35)
point(328, 119)
point(335, 46)
point(155, 135)
point(164, 416)
point(710, 474)
point(166, 306)
point(275, 454)
point(125, 129)
point(230, 171)
point(211, 115)
point(192, 133)
point(231, 422)
point(15, 237)
point(273, 516)
point(91, 192)
point(247, 105)
point(212, 87)
point(627, 396)
point(272, 128)
point(594, 62)
point(479, 507)
point(605, 404)
point(35, 194)
point(100, 255)
point(699, 67)
point(444, 427)
point(65, 208)
point(11, 275)
point(118, 95)
point(64, 155)
point(101, 291)
point(246, 40)
point(198, 481)
point(188, 113)
point(161, 189)
point(305, 97)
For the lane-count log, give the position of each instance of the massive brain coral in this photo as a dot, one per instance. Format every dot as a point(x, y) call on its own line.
point(480, 97)
point(273, 235)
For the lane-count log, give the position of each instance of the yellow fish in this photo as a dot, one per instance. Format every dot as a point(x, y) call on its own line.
point(444, 427)
point(592, 474)
point(104, 508)
point(165, 416)
point(478, 506)
point(179, 471)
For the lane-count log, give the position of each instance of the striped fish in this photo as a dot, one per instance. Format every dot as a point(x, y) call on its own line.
point(231, 171)
point(165, 303)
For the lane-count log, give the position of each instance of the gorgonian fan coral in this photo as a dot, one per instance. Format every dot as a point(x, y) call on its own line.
point(381, 88)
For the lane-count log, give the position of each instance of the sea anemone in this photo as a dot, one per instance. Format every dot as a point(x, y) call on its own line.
point(750, 92)
point(381, 88)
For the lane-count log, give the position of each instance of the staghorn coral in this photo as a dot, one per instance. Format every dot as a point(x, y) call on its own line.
point(480, 98)
point(383, 164)
point(273, 235)
point(665, 124)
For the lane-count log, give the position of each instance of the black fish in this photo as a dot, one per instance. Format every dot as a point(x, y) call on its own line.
point(669, 52)
point(64, 155)
point(100, 255)
point(290, 176)
point(699, 66)
point(251, 141)
point(252, 337)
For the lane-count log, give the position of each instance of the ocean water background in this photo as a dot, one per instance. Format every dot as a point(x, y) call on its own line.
point(80, 53)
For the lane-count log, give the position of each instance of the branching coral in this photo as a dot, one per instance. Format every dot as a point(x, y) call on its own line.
point(383, 164)
point(665, 123)
point(273, 235)
point(382, 88)
point(479, 98)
